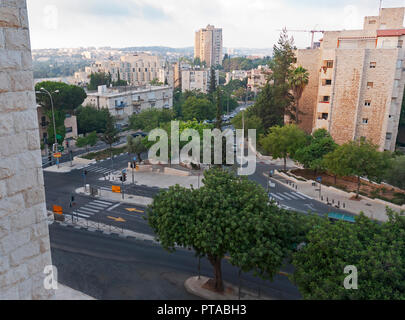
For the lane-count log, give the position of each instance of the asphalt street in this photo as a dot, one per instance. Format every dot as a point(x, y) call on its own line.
point(109, 267)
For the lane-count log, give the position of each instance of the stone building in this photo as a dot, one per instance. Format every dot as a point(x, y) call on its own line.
point(357, 80)
point(24, 236)
point(208, 46)
point(122, 102)
point(197, 79)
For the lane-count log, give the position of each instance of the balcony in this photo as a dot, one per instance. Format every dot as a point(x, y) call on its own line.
point(121, 106)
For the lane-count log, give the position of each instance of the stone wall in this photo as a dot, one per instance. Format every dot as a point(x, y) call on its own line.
point(24, 236)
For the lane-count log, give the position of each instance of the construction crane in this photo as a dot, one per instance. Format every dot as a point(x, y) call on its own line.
point(308, 31)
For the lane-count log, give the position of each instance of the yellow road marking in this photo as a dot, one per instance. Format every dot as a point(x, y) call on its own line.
point(134, 210)
point(116, 219)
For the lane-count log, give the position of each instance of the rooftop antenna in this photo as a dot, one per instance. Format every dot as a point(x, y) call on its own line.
point(381, 5)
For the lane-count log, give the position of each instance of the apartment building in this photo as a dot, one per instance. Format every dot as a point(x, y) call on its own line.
point(257, 78)
point(137, 69)
point(197, 79)
point(209, 46)
point(357, 80)
point(236, 75)
point(124, 102)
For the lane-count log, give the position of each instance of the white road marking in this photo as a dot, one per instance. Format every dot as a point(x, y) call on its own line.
point(99, 206)
point(103, 202)
point(291, 195)
point(85, 212)
point(299, 196)
point(304, 195)
point(276, 196)
point(82, 215)
point(113, 207)
point(286, 196)
point(90, 209)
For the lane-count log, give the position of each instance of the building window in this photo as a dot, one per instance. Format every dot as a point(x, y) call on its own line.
point(400, 44)
point(326, 82)
point(325, 99)
point(323, 116)
point(372, 22)
point(328, 64)
point(365, 121)
point(370, 85)
point(367, 103)
point(373, 65)
point(69, 130)
point(389, 135)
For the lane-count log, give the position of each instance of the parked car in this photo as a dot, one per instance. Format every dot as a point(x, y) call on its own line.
point(140, 134)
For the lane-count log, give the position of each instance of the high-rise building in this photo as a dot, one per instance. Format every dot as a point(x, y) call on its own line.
point(209, 46)
point(357, 80)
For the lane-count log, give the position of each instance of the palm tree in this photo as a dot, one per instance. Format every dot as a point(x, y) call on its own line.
point(299, 79)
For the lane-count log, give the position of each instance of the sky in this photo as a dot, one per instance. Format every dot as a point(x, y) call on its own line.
point(172, 23)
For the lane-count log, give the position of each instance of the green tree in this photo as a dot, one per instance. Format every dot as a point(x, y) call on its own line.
point(110, 134)
point(136, 146)
point(395, 174)
point(212, 85)
point(358, 158)
point(198, 108)
point(67, 99)
point(90, 119)
point(88, 140)
point(270, 105)
point(251, 122)
point(376, 250)
point(156, 82)
point(311, 156)
point(283, 142)
point(281, 66)
point(298, 80)
point(99, 79)
point(229, 215)
point(150, 119)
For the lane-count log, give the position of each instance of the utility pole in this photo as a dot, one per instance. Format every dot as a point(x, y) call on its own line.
point(43, 90)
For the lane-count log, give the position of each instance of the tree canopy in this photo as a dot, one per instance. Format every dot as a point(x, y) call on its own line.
point(358, 158)
point(282, 142)
point(150, 119)
point(229, 215)
point(376, 250)
point(198, 108)
point(90, 119)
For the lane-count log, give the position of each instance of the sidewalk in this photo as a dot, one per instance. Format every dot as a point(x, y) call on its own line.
point(372, 208)
point(117, 197)
point(195, 286)
point(67, 167)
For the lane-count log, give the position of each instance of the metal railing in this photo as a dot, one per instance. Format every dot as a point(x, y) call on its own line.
point(75, 220)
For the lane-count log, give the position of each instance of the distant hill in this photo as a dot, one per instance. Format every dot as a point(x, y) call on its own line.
point(187, 50)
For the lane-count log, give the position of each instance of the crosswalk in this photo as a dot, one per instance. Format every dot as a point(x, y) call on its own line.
point(98, 169)
point(95, 206)
point(289, 196)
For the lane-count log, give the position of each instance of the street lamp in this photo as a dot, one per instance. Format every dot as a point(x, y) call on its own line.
point(43, 90)
point(243, 138)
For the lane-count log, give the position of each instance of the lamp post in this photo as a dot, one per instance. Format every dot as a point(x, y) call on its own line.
point(43, 90)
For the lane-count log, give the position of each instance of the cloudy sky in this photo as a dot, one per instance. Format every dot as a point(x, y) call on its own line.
point(245, 23)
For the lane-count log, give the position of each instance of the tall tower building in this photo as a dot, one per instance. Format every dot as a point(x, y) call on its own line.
point(209, 46)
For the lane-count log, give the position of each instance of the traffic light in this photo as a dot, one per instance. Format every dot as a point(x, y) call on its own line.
point(124, 177)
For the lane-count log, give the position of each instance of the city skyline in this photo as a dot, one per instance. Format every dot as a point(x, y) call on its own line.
point(71, 24)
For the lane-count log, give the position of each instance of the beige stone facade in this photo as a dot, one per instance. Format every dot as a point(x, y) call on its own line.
point(357, 80)
point(24, 236)
point(197, 79)
point(208, 46)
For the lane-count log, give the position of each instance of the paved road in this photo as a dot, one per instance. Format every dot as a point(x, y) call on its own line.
point(108, 267)
point(288, 198)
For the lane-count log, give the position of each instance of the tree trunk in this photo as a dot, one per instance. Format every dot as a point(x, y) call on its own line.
point(358, 187)
point(285, 163)
point(335, 179)
point(218, 284)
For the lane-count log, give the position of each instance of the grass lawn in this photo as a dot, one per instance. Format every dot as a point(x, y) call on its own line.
point(101, 155)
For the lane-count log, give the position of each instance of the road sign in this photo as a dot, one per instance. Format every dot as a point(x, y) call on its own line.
point(57, 210)
point(116, 189)
point(272, 185)
point(124, 171)
point(57, 155)
point(137, 168)
point(319, 179)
